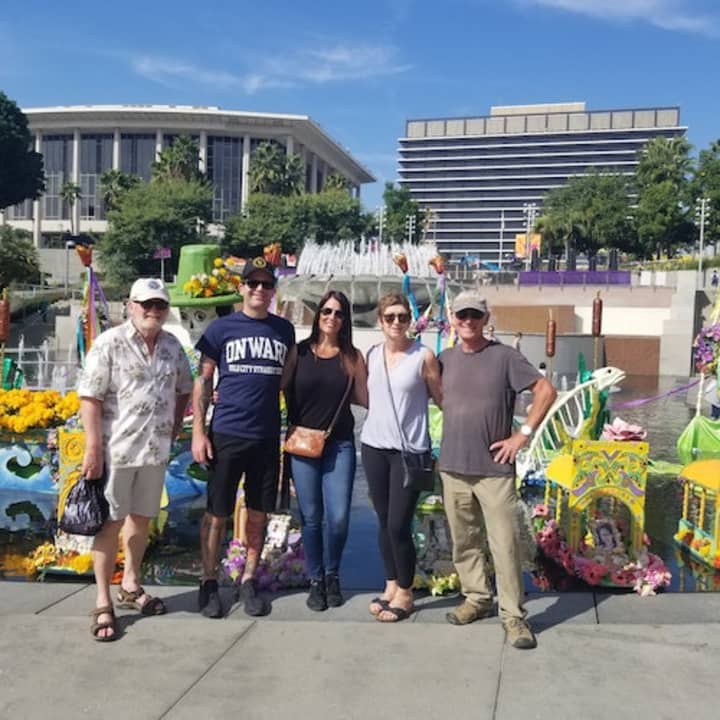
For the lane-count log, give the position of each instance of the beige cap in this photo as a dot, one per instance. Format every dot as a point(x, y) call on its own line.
point(149, 289)
point(470, 300)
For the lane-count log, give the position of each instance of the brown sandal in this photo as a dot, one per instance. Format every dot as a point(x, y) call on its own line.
point(96, 626)
point(128, 600)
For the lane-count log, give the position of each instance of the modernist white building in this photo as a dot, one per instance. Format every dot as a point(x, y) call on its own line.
point(79, 143)
point(482, 176)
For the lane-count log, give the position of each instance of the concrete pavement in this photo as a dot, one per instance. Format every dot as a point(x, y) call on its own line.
point(599, 656)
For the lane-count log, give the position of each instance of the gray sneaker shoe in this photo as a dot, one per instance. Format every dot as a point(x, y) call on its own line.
point(468, 612)
point(519, 634)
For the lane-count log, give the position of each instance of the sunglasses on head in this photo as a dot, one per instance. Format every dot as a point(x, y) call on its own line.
point(157, 304)
point(402, 318)
point(328, 311)
point(469, 314)
point(264, 284)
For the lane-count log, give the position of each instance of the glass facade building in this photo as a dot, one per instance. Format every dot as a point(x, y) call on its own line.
point(476, 175)
point(80, 143)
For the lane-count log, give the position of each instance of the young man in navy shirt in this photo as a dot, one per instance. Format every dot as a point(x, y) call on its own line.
point(248, 350)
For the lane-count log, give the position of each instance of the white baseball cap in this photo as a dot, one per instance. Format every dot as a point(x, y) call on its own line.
point(149, 289)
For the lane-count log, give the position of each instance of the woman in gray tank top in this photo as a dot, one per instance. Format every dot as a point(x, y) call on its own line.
point(414, 376)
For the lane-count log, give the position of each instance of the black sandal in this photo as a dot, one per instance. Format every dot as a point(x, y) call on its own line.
point(97, 626)
point(384, 605)
point(398, 612)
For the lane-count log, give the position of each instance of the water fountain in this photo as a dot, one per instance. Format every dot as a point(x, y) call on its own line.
point(364, 271)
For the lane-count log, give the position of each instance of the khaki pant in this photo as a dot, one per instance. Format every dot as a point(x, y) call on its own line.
point(468, 499)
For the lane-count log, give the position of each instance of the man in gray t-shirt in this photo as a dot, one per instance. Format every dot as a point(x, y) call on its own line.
point(480, 379)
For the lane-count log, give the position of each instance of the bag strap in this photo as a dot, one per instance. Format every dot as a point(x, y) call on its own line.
point(392, 401)
point(348, 387)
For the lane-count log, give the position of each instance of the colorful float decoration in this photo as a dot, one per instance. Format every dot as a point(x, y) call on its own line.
point(95, 314)
point(591, 521)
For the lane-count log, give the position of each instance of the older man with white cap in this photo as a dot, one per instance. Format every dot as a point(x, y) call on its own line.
point(480, 379)
point(133, 393)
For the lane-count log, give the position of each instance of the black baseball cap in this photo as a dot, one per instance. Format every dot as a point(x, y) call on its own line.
point(258, 264)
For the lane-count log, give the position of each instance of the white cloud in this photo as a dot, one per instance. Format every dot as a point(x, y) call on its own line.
point(685, 15)
point(306, 67)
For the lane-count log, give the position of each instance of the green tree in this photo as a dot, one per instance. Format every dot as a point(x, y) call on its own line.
point(706, 183)
point(334, 216)
point(662, 215)
point(18, 257)
point(150, 215)
point(70, 194)
point(178, 161)
point(274, 172)
point(267, 218)
point(336, 182)
point(399, 206)
point(589, 212)
point(21, 168)
point(113, 183)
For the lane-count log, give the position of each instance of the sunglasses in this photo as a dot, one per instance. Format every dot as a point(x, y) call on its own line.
point(265, 284)
point(328, 311)
point(157, 304)
point(469, 314)
point(402, 318)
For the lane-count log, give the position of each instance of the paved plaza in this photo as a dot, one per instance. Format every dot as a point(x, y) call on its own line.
point(604, 656)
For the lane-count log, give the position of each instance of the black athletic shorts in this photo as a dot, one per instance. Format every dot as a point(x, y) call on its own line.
point(258, 460)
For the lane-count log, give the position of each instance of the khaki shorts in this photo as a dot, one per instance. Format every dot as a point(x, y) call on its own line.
point(134, 490)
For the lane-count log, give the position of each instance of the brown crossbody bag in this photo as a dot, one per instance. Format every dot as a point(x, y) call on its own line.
point(310, 442)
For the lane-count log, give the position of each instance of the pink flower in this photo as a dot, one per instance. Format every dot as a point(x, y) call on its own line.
point(540, 511)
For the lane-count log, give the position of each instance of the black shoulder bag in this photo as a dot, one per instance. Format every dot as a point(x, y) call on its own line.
point(418, 467)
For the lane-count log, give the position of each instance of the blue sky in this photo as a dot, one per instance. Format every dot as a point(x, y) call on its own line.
point(360, 69)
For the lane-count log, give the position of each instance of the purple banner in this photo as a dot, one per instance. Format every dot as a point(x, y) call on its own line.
point(576, 277)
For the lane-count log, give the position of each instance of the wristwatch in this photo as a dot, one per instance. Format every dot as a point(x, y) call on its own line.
point(526, 430)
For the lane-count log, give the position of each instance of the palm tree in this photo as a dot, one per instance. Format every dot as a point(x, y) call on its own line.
point(70, 194)
point(113, 183)
point(274, 172)
point(179, 161)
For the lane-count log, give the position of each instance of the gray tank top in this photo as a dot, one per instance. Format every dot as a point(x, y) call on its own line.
point(410, 394)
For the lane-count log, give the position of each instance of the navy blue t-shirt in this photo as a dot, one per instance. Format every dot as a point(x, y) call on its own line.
point(250, 355)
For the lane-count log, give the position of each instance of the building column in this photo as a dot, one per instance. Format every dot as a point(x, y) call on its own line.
point(158, 142)
point(245, 189)
point(37, 204)
point(116, 149)
point(75, 207)
point(289, 144)
point(202, 152)
point(323, 174)
point(313, 177)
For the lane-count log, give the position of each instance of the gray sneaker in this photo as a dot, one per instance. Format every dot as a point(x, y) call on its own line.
point(519, 634)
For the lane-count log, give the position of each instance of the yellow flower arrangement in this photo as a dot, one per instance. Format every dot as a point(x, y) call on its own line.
point(23, 410)
point(219, 282)
point(47, 554)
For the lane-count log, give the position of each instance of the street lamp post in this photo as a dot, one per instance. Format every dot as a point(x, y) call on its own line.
point(530, 211)
point(502, 237)
point(702, 209)
point(381, 215)
point(410, 227)
point(69, 245)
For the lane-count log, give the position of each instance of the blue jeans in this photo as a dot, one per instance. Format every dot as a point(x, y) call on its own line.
point(324, 491)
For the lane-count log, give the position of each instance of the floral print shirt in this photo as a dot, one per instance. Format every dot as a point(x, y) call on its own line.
point(138, 391)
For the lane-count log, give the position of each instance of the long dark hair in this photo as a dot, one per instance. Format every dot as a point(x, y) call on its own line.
point(348, 352)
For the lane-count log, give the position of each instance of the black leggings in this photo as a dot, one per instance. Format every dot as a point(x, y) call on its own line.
point(394, 507)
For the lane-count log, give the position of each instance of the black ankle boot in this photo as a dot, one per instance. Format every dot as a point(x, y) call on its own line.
point(333, 594)
point(317, 600)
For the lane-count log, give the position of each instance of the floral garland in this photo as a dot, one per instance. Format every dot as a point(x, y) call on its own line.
point(278, 569)
point(706, 349)
point(646, 574)
point(221, 281)
point(23, 410)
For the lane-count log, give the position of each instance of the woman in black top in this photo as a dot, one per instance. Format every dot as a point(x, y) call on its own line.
point(315, 379)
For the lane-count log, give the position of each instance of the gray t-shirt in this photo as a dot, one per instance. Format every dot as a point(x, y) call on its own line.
point(479, 392)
